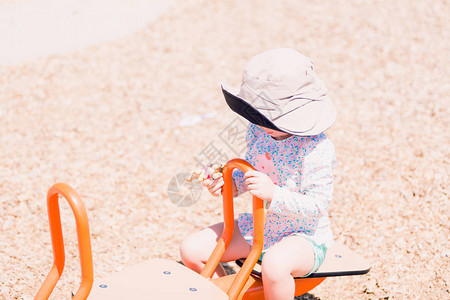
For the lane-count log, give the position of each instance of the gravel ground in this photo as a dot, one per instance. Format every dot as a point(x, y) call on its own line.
point(106, 120)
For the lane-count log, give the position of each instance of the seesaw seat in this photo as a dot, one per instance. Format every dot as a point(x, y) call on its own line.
point(156, 279)
point(339, 261)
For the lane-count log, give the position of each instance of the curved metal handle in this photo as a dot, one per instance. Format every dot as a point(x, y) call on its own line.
point(84, 242)
point(227, 234)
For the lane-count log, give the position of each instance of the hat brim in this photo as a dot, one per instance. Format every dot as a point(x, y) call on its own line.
point(320, 114)
point(246, 110)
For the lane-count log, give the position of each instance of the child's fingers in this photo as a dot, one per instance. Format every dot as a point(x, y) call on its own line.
point(216, 192)
point(215, 186)
point(207, 182)
point(252, 180)
point(253, 186)
point(251, 173)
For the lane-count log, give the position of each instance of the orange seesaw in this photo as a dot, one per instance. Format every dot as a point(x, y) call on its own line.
point(166, 279)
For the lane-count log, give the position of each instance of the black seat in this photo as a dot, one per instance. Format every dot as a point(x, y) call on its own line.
point(339, 261)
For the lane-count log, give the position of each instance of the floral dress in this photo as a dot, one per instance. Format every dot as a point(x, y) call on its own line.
point(302, 168)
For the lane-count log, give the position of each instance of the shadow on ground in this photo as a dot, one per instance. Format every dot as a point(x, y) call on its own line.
point(306, 296)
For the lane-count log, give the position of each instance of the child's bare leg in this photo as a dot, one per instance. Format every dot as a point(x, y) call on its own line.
point(292, 257)
point(197, 248)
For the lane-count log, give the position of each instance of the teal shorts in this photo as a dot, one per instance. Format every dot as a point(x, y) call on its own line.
point(319, 255)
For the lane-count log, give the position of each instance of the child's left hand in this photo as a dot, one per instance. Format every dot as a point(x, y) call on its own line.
point(259, 185)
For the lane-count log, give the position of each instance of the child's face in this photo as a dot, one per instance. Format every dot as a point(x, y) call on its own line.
point(275, 134)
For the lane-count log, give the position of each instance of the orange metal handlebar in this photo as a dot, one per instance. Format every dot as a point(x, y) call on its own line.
point(84, 242)
point(227, 234)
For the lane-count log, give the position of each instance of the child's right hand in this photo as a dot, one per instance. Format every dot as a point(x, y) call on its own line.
point(214, 186)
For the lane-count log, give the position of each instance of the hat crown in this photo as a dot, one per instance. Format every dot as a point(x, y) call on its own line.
point(282, 64)
point(279, 74)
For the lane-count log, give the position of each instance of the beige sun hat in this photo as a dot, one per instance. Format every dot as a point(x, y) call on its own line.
point(281, 91)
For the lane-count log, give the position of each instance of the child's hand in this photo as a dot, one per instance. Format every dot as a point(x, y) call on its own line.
point(214, 186)
point(259, 185)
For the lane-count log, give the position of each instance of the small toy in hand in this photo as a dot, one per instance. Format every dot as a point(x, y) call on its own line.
point(213, 171)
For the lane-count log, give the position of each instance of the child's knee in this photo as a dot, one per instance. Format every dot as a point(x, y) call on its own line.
point(197, 246)
point(189, 248)
point(274, 267)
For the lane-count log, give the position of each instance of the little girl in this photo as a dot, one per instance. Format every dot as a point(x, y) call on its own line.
point(288, 109)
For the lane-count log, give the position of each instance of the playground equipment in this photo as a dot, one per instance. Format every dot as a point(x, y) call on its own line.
point(165, 279)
